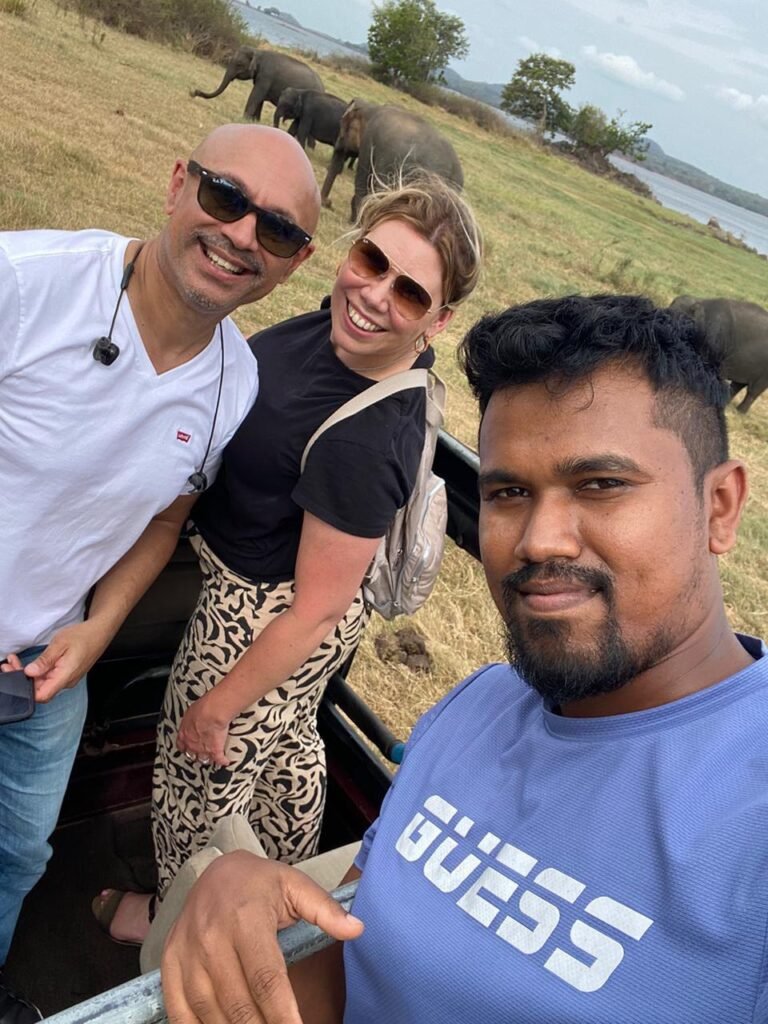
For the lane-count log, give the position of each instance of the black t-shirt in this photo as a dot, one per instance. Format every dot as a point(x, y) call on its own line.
point(358, 473)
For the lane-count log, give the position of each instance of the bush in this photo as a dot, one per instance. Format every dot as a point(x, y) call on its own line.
point(207, 28)
point(18, 8)
point(595, 136)
point(481, 114)
point(358, 66)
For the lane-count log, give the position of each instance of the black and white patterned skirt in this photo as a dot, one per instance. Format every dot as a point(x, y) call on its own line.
point(276, 775)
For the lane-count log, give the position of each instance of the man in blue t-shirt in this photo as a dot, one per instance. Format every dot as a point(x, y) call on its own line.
point(580, 836)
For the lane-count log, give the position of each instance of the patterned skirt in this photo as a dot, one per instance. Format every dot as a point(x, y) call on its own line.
point(276, 775)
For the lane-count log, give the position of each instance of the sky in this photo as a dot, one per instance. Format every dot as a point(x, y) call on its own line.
point(696, 69)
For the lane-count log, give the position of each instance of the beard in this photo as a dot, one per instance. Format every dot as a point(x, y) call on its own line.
point(202, 300)
point(564, 667)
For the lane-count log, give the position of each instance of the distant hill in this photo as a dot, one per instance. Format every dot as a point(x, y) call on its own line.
point(486, 92)
point(657, 160)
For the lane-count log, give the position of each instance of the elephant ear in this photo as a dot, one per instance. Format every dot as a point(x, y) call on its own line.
point(243, 58)
point(253, 67)
point(719, 327)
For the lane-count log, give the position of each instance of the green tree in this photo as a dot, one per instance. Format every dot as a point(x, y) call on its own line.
point(533, 92)
point(595, 136)
point(411, 41)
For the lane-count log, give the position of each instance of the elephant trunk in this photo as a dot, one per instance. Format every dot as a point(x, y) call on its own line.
point(355, 206)
point(285, 111)
point(335, 167)
point(217, 92)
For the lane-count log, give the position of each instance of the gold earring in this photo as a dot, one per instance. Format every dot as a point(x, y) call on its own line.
point(421, 344)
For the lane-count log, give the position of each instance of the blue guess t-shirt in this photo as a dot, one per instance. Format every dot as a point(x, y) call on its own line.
point(529, 868)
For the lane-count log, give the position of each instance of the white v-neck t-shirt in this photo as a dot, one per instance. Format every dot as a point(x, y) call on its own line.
point(90, 453)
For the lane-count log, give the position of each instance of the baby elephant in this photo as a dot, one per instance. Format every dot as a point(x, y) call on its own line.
point(739, 332)
point(316, 115)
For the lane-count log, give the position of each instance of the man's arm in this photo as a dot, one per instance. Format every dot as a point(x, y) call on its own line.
point(74, 649)
point(222, 961)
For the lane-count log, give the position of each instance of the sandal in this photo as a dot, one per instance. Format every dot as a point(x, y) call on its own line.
point(105, 907)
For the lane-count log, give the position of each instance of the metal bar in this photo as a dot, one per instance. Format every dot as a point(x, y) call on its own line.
point(355, 708)
point(140, 1001)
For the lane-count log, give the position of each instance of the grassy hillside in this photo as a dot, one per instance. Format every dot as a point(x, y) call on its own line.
point(92, 121)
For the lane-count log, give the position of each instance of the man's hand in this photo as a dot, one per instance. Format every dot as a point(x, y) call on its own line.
point(66, 659)
point(222, 962)
point(202, 732)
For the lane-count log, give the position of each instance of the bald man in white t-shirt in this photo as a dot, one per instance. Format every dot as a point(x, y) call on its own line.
point(121, 380)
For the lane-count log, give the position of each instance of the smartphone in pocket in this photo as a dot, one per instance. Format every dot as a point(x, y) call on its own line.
point(17, 697)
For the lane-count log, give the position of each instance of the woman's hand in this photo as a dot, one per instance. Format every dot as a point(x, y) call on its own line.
point(203, 731)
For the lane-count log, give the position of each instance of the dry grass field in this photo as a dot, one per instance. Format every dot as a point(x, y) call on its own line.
point(91, 123)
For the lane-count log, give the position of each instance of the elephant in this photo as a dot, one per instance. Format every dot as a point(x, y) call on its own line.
point(347, 145)
point(271, 73)
point(392, 141)
point(738, 332)
point(315, 115)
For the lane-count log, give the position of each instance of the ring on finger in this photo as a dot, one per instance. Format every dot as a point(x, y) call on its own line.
point(205, 760)
point(189, 757)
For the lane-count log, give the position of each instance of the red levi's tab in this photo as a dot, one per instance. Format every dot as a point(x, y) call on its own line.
point(182, 436)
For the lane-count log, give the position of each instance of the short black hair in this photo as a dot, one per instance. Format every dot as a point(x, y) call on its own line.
point(562, 341)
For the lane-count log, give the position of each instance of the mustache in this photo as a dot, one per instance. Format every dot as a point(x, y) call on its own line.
point(252, 262)
point(565, 572)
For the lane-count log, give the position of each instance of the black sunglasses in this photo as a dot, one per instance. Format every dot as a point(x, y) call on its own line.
point(411, 299)
point(222, 199)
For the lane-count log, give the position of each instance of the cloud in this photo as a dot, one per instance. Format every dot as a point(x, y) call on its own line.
point(675, 17)
point(625, 69)
point(533, 47)
point(744, 102)
point(721, 41)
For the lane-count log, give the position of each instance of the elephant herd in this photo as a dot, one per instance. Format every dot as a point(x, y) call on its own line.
point(385, 140)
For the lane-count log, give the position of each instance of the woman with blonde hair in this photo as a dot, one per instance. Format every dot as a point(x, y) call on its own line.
point(284, 552)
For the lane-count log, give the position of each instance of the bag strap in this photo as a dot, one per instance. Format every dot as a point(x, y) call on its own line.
point(376, 393)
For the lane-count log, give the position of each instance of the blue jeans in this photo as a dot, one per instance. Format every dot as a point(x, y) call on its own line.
point(36, 757)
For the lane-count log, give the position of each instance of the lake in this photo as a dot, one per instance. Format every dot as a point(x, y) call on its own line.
point(276, 31)
point(752, 227)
